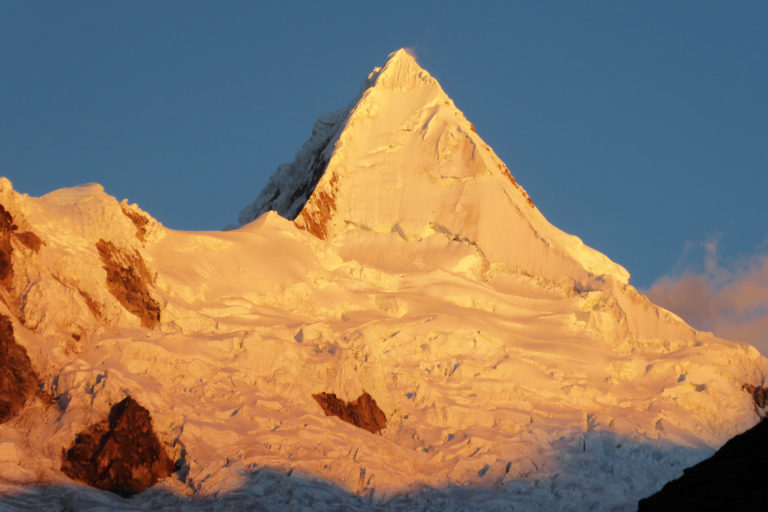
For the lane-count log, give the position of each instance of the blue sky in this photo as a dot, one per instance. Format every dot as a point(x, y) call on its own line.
point(641, 127)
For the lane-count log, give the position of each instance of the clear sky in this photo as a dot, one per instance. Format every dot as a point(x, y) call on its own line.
point(641, 127)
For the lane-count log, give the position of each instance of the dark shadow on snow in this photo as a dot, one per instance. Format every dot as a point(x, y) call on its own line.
point(732, 479)
point(597, 471)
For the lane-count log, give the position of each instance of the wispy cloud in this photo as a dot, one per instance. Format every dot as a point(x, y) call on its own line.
point(731, 302)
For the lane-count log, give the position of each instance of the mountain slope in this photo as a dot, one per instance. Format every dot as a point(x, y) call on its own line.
point(513, 364)
point(732, 479)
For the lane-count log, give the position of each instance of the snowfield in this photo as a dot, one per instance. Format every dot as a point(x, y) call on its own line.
point(516, 367)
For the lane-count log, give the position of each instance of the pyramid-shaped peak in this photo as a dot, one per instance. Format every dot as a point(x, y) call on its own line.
point(404, 159)
point(401, 72)
point(401, 57)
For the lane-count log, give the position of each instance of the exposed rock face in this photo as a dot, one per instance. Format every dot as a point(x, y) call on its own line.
point(18, 380)
point(291, 186)
point(8, 229)
point(759, 394)
point(138, 220)
point(29, 239)
point(120, 454)
point(732, 479)
point(93, 306)
point(128, 280)
point(363, 412)
point(323, 205)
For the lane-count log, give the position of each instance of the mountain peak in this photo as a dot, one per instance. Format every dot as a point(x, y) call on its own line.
point(404, 159)
point(400, 73)
point(403, 54)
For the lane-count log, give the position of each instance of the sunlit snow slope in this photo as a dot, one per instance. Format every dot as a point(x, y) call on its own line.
point(515, 365)
point(405, 160)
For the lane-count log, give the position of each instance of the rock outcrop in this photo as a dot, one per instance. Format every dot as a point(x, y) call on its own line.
point(9, 230)
point(138, 220)
point(18, 380)
point(128, 279)
point(732, 479)
point(121, 454)
point(363, 412)
point(759, 395)
point(6, 228)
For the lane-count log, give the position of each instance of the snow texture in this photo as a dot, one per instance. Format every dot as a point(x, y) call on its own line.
point(515, 366)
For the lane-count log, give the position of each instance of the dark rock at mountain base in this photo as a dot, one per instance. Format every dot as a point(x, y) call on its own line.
point(732, 479)
point(120, 454)
point(363, 412)
point(128, 279)
point(18, 380)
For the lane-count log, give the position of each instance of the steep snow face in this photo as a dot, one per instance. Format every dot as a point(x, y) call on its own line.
point(404, 159)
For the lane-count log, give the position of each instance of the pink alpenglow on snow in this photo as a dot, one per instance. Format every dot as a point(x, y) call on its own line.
point(395, 258)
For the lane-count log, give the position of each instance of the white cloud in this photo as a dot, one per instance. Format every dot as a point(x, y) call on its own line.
point(732, 303)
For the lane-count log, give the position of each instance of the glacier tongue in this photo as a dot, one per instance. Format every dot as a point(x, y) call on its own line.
point(514, 365)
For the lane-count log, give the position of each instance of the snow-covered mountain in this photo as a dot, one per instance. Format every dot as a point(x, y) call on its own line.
point(403, 159)
point(407, 331)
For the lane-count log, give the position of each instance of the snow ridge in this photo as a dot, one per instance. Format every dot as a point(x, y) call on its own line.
point(289, 188)
point(291, 185)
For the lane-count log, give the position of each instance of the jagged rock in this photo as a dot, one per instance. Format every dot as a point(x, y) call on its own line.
point(363, 412)
point(289, 189)
point(138, 220)
point(732, 479)
point(18, 380)
point(128, 280)
point(120, 454)
point(6, 228)
point(759, 395)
